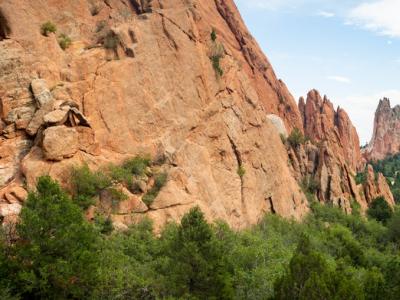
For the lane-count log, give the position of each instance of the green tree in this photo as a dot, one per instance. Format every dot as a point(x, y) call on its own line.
point(306, 277)
point(296, 138)
point(380, 210)
point(197, 266)
point(310, 276)
point(392, 278)
point(56, 250)
point(393, 226)
point(6, 270)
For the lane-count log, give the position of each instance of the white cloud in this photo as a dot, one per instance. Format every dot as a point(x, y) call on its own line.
point(361, 109)
point(381, 16)
point(340, 79)
point(325, 14)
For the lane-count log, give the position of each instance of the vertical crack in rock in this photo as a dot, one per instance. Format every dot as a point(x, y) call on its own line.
point(238, 156)
point(271, 204)
point(168, 34)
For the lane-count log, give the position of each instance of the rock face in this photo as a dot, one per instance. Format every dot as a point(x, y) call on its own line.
point(155, 91)
point(152, 88)
point(332, 156)
point(386, 137)
point(323, 123)
point(376, 186)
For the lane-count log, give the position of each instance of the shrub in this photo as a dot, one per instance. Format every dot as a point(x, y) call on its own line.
point(111, 41)
point(309, 184)
point(216, 65)
point(217, 53)
point(361, 177)
point(87, 183)
point(309, 187)
point(241, 171)
point(137, 166)
point(355, 208)
point(84, 201)
point(64, 41)
point(159, 183)
point(117, 196)
point(47, 28)
point(119, 174)
point(103, 224)
point(296, 138)
point(213, 35)
point(380, 210)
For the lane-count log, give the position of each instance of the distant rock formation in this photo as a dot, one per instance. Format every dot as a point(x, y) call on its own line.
point(386, 136)
point(332, 156)
point(323, 123)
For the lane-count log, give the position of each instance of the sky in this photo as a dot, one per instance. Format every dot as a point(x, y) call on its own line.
point(349, 50)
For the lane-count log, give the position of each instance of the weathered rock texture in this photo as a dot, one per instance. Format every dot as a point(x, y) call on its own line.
point(152, 89)
point(323, 123)
point(155, 91)
point(375, 186)
point(386, 137)
point(332, 156)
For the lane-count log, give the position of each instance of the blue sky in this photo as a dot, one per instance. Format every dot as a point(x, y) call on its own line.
point(346, 49)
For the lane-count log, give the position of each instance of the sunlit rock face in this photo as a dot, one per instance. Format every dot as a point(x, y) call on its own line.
point(386, 136)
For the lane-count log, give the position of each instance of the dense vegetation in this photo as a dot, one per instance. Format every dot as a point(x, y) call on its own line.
point(59, 255)
point(390, 168)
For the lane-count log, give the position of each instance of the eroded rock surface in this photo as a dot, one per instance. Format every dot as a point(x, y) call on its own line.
point(386, 136)
point(331, 157)
point(138, 78)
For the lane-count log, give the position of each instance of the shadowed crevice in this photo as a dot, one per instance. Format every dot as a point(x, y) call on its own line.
point(5, 29)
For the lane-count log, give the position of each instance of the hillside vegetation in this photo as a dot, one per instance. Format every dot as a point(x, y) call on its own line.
point(390, 168)
point(57, 254)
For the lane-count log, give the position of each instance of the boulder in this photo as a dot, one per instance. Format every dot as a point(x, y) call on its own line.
point(60, 142)
point(41, 92)
point(19, 193)
point(56, 117)
point(38, 119)
point(10, 209)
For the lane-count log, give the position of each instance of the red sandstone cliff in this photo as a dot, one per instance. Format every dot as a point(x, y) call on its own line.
point(138, 79)
point(323, 123)
point(332, 156)
point(386, 136)
point(156, 92)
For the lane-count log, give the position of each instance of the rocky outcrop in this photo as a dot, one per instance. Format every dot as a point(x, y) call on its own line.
point(331, 157)
point(386, 136)
point(142, 77)
point(138, 78)
point(323, 123)
point(375, 186)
